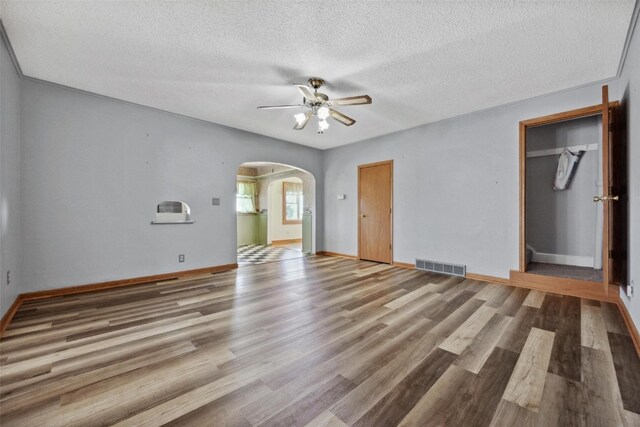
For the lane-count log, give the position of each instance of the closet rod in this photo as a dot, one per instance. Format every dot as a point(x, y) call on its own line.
point(557, 151)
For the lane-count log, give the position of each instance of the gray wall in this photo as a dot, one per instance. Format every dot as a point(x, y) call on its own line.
point(10, 227)
point(630, 96)
point(563, 222)
point(94, 169)
point(455, 185)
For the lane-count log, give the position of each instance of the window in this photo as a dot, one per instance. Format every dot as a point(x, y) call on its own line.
point(246, 197)
point(292, 203)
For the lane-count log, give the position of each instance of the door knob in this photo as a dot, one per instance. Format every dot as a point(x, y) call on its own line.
point(597, 199)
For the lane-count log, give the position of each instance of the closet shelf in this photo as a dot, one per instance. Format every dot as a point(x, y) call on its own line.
point(558, 151)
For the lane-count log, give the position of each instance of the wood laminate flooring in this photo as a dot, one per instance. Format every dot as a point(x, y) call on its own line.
point(318, 341)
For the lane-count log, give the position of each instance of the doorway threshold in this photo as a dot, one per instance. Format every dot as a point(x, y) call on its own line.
point(565, 286)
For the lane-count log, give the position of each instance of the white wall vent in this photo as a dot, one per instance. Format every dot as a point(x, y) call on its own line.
point(441, 267)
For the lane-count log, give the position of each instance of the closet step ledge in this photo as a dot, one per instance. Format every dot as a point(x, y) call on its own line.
point(564, 286)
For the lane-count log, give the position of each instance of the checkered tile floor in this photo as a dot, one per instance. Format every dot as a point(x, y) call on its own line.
point(258, 254)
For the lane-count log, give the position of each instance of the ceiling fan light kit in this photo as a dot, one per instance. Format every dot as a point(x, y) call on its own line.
point(319, 105)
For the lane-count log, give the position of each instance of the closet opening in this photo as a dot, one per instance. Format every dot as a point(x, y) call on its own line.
point(563, 173)
point(573, 202)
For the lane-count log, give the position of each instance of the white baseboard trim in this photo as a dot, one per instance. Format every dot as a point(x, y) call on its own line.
point(580, 261)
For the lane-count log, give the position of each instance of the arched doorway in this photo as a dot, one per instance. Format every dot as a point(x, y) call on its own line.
point(275, 205)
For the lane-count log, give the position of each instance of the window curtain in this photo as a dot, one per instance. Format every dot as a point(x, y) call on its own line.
point(294, 187)
point(246, 192)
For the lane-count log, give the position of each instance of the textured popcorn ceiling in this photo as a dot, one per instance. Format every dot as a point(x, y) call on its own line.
point(419, 61)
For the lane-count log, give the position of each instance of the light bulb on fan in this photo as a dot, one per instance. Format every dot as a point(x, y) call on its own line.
point(323, 113)
point(300, 118)
point(322, 126)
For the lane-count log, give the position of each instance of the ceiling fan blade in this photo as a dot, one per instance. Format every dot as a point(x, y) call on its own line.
point(304, 90)
point(274, 107)
point(352, 100)
point(345, 120)
point(300, 126)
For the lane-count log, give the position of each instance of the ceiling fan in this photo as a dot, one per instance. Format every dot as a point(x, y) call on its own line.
point(319, 105)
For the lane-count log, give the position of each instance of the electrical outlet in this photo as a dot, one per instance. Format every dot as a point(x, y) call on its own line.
point(215, 201)
point(8, 277)
point(181, 258)
point(630, 289)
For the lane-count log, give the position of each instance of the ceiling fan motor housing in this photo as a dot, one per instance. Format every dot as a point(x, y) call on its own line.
point(316, 82)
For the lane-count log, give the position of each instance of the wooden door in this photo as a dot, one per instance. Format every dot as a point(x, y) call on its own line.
point(375, 202)
point(615, 192)
point(606, 217)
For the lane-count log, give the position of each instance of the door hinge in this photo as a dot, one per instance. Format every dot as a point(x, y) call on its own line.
point(390, 246)
point(610, 127)
point(611, 253)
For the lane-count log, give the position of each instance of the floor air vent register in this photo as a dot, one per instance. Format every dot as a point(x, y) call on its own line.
point(441, 267)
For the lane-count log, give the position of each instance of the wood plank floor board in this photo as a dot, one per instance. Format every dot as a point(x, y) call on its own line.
point(527, 380)
point(446, 284)
point(318, 341)
point(355, 404)
point(395, 405)
point(460, 339)
point(593, 329)
point(377, 348)
point(465, 285)
point(476, 404)
point(565, 355)
point(439, 312)
point(563, 403)
point(510, 414)
point(309, 407)
point(58, 385)
point(457, 318)
point(405, 299)
point(501, 295)
point(277, 379)
point(95, 361)
point(534, 299)
point(630, 419)
point(326, 419)
point(613, 320)
point(384, 352)
point(419, 281)
point(27, 329)
point(439, 403)
point(516, 334)
point(476, 354)
point(187, 402)
point(513, 302)
point(223, 410)
point(627, 370)
point(600, 389)
point(495, 294)
point(411, 309)
point(262, 409)
point(547, 317)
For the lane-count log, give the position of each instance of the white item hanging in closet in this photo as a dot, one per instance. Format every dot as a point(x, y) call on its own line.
point(567, 163)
